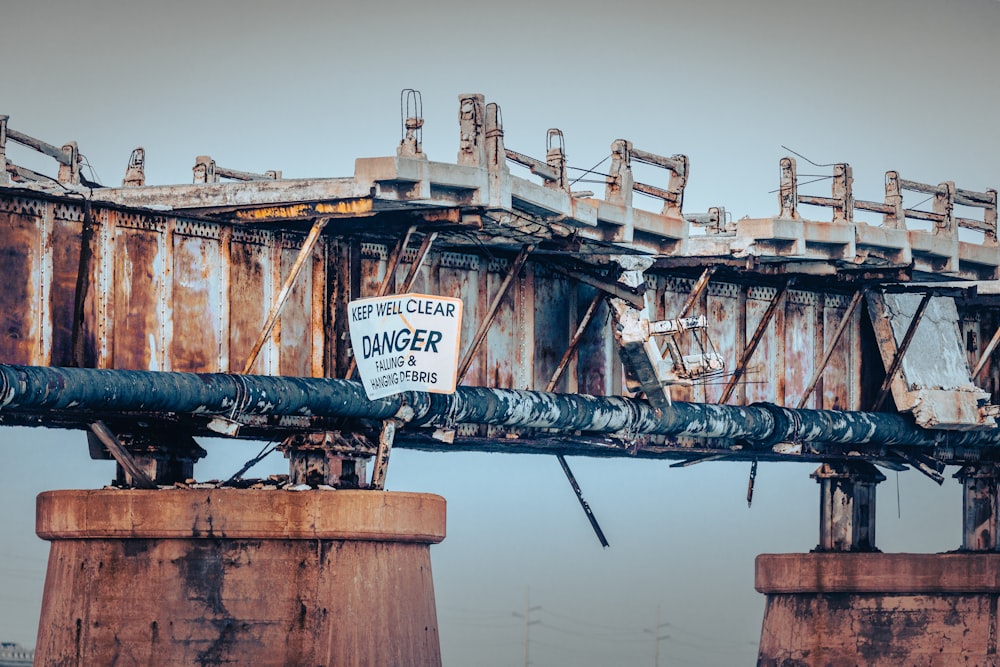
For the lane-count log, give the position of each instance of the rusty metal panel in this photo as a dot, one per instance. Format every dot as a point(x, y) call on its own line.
point(551, 326)
point(67, 227)
point(374, 259)
point(759, 378)
point(675, 292)
point(293, 335)
point(800, 343)
point(835, 394)
point(595, 357)
point(501, 340)
point(250, 289)
point(723, 325)
point(459, 276)
point(522, 297)
point(317, 299)
point(197, 298)
point(21, 267)
point(140, 272)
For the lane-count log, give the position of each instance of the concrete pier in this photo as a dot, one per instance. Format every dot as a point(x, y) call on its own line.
point(239, 577)
point(879, 610)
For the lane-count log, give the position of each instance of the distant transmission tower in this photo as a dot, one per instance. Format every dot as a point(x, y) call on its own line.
point(527, 624)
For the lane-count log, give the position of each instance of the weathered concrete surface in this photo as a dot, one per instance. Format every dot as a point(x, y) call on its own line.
point(877, 610)
point(239, 577)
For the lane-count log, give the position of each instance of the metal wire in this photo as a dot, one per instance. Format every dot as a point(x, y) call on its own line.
point(589, 171)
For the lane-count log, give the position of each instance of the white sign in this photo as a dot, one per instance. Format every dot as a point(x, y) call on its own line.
point(406, 342)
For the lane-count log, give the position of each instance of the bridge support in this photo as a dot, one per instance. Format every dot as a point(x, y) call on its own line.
point(847, 604)
point(239, 576)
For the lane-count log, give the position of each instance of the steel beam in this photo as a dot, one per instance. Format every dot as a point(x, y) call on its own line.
point(980, 508)
point(847, 506)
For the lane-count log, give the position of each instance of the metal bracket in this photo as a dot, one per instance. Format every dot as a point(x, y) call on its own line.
point(145, 461)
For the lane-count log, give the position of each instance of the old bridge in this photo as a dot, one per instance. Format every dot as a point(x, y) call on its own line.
point(152, 314)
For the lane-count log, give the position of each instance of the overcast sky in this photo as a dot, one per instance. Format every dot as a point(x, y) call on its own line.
point(306, 87)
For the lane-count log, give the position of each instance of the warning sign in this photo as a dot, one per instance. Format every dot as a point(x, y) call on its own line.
point(407, 342)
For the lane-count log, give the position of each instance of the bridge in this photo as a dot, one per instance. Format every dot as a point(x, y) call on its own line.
point(150, 315)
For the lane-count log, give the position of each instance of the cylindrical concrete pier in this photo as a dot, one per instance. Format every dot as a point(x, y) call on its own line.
point(879, 610)
point(239, 577)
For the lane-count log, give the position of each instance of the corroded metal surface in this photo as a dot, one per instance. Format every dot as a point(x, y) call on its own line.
point(182, 277)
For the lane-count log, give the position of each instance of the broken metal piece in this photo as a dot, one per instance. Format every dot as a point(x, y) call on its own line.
point(645, 370)
point(929, 466)
point(847, 506)
point(631, 294)
point(750, 482)
point(583, 503)
point(135, 175)
point(697, 290)
point(385, 438)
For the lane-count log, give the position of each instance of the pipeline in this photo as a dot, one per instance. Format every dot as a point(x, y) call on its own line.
point(71, 391)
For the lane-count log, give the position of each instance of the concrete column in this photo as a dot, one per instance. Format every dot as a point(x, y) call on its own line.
point(239, 577)
point(847, 506)
point(879, 610)
point(979, 507)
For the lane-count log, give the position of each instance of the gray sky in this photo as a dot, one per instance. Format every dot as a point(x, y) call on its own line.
point(306, 87)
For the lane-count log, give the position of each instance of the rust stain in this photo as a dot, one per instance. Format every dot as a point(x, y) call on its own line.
point(196, 304)
point(343, 207)
point(137, 288)
point(248, 305)
point(20, 264)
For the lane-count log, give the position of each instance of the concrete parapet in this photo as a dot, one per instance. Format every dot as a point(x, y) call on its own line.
point(877, 610)
point(227, 577)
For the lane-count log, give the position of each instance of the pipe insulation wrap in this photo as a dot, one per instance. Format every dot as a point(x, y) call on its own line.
point(74, 390)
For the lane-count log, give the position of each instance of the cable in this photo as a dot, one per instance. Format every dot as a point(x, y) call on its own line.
point(588, 171)
point(807, 159)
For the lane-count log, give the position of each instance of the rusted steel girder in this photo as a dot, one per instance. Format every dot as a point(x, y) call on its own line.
point(85, 392)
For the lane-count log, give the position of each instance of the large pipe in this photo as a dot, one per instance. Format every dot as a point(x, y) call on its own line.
point(78, 391)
